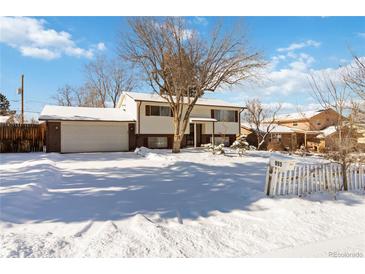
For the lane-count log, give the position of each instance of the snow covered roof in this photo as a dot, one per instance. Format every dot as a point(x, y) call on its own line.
point(153, 97)
point(84, 114)
point(298, 115)
point(275, 128)
point(327, 132)
point(4, 119)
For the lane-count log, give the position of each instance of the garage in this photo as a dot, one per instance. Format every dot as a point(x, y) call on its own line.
point(83, 129)
point(94, 136)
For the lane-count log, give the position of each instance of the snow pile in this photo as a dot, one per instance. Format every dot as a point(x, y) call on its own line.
point(215, 149)
point(147, 153)
point(177, 205)
point(241, 145)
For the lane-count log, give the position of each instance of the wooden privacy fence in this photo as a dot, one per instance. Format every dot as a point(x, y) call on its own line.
point(22, 137)
point(288, 178)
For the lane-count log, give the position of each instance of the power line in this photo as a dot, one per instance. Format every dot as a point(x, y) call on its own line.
point(30, 111)
point(35, 101)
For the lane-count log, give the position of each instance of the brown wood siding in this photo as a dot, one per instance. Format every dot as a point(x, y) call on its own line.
point(142, 139)
point(22, 137)
point(53, 140)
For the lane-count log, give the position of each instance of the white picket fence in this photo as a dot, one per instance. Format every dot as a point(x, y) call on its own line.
point(289, 178)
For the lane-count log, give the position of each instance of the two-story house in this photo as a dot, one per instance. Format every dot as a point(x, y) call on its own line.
point(291, 131)
point(140, 119)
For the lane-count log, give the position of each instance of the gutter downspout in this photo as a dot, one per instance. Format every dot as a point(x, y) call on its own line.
point(213, 133)
point(139, 117)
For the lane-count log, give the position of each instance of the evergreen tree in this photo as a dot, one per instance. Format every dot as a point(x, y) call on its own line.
point(4, 105)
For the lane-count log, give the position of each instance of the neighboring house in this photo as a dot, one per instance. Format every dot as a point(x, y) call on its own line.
point(309, 120)
point(360, 126)
point(140, 119)
point(291, 131)
point(279, 138)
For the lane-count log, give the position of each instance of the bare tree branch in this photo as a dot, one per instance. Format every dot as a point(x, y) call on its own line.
point(354, 76)
point(334, 93)
point(107, 79)
point(181, 66)
point(261, 119)
point(65, 96)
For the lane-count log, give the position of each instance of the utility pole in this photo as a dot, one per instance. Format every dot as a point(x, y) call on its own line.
point(21, 92)
point(22, 98)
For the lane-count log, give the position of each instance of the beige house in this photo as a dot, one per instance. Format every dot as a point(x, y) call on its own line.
point(309, 120)
point(140, 119)
point(309, 129)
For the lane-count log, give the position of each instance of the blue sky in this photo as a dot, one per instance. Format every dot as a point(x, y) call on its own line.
point(293, 45)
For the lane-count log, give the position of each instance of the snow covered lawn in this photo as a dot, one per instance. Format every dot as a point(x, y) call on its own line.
point(158, 204)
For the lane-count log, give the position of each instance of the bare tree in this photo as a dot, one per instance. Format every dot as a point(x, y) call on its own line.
point(354, 76)
point(107, 79)
point(65, 96)
point(332, 93)
point(181, 66)
point(261, 119)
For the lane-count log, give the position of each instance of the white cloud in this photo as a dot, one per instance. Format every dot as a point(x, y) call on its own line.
point(291, 107)
point(290, 82)
point(361, 34)
point(32, 38)
point(42, 53)
point(101, 46)
point(295, 46)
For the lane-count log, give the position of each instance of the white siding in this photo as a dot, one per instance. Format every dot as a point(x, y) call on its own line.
point(128, 105)
point(155, 124)
point(220, 127)
point(94, 136)
point(164, 125)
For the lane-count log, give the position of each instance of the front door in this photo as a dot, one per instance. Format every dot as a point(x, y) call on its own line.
point(132, 136)
point(53, 137)
point(190, 137)
point(198, 135)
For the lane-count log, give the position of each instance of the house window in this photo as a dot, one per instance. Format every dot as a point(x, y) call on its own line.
point(318, 123)
point(295, 124)
point(225, 115)
point(276, 137)
point(157, 142)
point(158, 111)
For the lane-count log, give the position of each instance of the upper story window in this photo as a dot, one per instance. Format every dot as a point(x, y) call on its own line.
point(295, 124)
point(158, 111)
point(223, 115)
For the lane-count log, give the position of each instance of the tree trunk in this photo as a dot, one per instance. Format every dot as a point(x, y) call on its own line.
point(177, 143)
point(259, 142)
point(177, 136)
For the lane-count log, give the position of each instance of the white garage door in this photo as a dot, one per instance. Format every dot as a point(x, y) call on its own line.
point(94, 136)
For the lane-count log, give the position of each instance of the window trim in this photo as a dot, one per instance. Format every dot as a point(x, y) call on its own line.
point(214, 115)
point(148, 111)
point(157, 146)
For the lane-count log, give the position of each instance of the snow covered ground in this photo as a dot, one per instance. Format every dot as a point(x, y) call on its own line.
point(156, 204)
